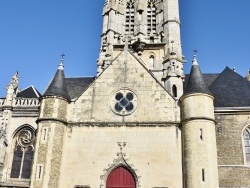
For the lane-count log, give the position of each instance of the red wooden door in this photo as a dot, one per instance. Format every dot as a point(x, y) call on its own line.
point(120, 178)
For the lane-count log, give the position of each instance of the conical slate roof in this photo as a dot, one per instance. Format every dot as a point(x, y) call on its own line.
point(196, 82)
point(58, 85)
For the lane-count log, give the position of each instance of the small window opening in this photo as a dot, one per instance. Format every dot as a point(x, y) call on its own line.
point(201, 134)
point(152, 39)
point(151, 61)
point(39, 171)
point(174, 90)
point(203, 175)
point(139, 15)
point(44, 134)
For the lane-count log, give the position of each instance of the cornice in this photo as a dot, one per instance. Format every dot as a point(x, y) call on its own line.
point(122, 124)
point(232, 110)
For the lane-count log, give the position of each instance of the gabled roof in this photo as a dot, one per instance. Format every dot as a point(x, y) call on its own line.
point(231, 90)
point(29, 92)
point(76, 86)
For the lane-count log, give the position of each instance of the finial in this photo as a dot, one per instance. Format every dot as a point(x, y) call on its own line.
point(121, 145)
point(61, 63)
point(195, 61)
point(234, 69)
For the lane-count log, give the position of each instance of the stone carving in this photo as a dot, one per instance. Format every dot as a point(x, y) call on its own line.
point(13, 84)
point(138, 46)
point(121, 160)
point(131, 3)
point(25, 138)
point(151, 2)
point(219, 130)
point(3, 145)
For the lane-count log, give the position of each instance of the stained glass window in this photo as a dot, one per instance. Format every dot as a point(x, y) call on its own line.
point(23, 153)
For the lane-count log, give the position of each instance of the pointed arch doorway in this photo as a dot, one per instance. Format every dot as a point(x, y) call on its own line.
point(120, 178)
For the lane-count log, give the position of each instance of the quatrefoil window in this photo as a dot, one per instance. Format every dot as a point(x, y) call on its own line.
point(124, 102)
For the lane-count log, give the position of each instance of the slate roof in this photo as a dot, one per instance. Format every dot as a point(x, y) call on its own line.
point(76, 86)
point(196, 83)
point(58, 87)
point(29, 92)
point(230, 90)
point(208, 79)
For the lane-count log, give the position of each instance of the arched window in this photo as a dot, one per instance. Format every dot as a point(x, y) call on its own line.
point(151, 17)
point(174, 90)
point(151, 61)
point(246, 136)
point(23, 150)
point(130, 17)
point(120, 178)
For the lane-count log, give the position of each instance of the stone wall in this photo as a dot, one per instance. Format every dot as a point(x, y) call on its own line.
point(233, 171)
point(152, 153)
point(154, 104)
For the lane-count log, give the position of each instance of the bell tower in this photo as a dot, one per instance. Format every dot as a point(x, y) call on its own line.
point(153, 30)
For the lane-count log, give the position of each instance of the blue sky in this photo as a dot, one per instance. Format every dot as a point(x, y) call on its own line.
point(33, 35)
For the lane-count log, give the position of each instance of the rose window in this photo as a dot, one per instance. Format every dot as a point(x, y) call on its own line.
point(124, 102)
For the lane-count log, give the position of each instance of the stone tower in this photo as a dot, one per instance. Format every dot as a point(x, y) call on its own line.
point(51, 128)
point(152, 28)
point(198, 133)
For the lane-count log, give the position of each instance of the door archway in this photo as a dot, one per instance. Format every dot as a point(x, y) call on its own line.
point(120, 178)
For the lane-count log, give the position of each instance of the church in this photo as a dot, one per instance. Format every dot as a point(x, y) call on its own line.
point(139, 123)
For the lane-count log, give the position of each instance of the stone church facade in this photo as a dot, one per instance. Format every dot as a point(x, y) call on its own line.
point(140, 122)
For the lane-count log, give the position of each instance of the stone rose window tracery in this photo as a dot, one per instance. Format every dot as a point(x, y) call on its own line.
point(124, 102)
point(24, 142)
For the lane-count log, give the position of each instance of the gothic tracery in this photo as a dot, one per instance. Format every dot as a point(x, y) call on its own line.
point(24, 142)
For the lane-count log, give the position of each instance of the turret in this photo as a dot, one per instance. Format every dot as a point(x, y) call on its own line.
point(55, 99)
point(52, 123)
point(198, 133)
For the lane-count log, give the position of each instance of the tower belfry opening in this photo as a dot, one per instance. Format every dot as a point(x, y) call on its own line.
point(153, 26)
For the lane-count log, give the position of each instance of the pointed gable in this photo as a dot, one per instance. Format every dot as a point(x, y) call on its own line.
point(29, 92)
point(125, 75)
point(231, 90)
